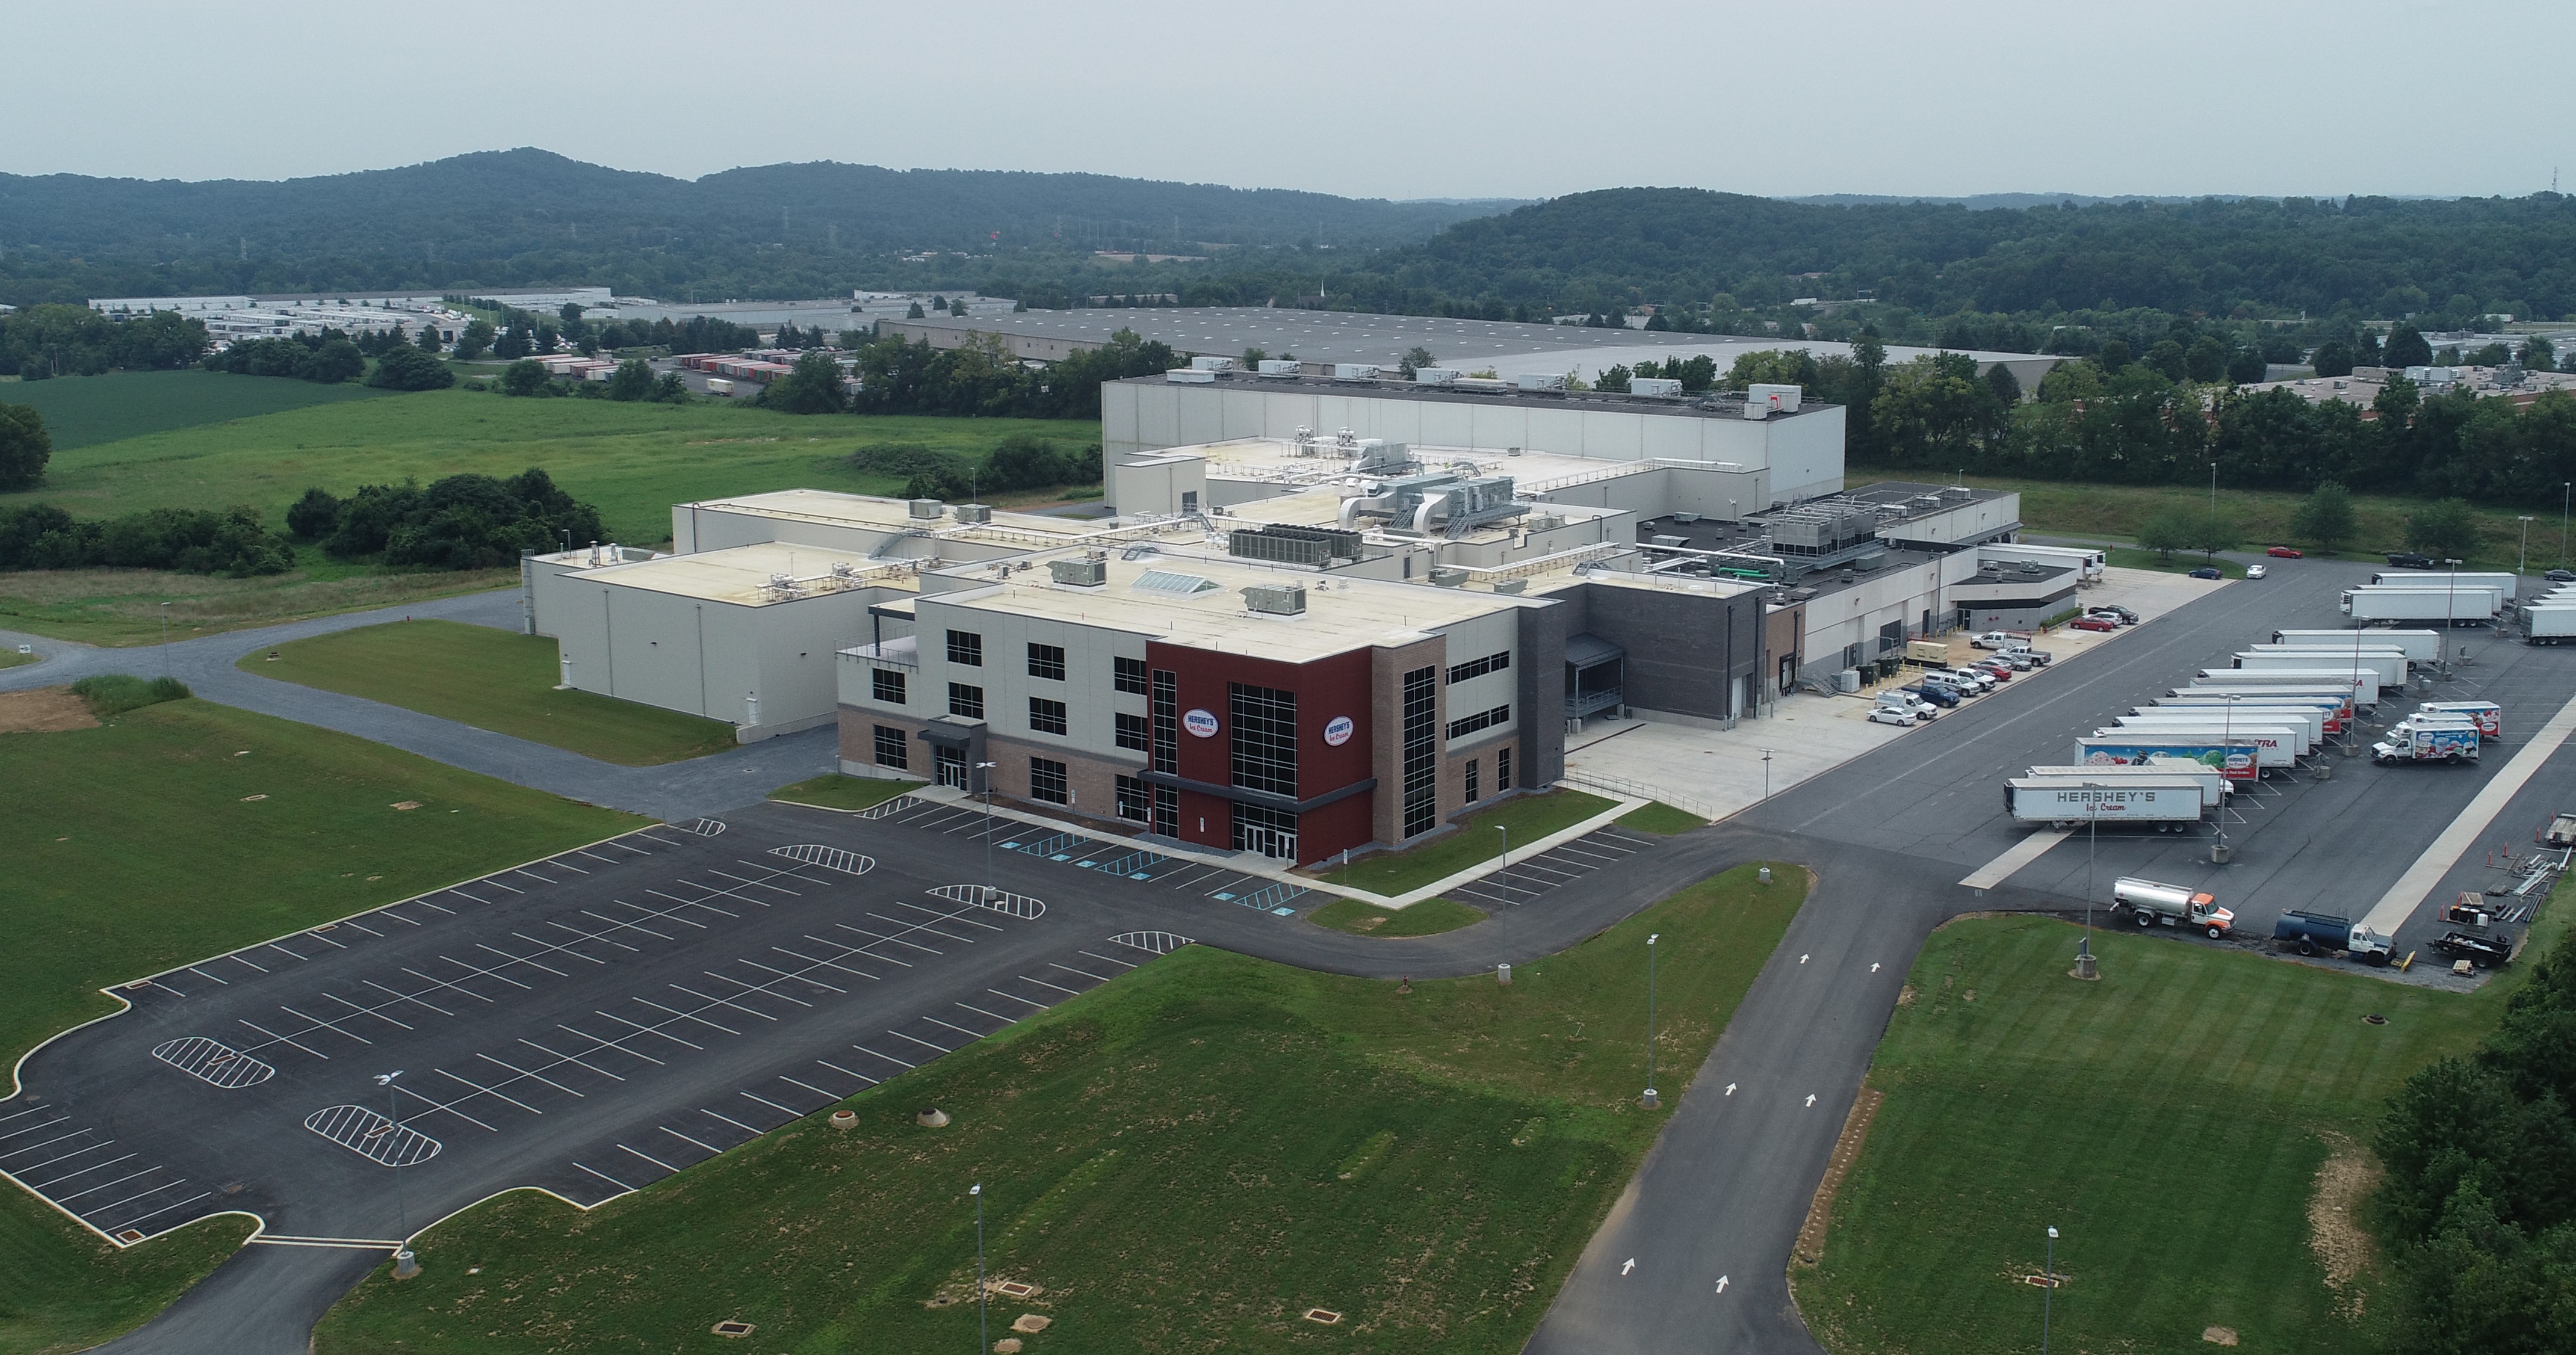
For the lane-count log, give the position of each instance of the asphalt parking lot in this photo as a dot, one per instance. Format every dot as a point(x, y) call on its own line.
point(2334, 846)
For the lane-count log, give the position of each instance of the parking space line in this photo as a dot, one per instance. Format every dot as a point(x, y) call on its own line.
point(609, 1179)
point(425, 903)
point(846, 1072)
point(686, 1139)
point(237, 957)
point(1095, 978)
point(121, 1227)
point(437, 1106)
point(541, 879)
point(1016, 998)
point(479, 972)
point(667, 915)
point(923, 927)
point(60, 1157)
point(869, 951)
point(791, 1114)
point(783, 974)
point(368, 930)
point(887, 1057)
point(972, 915)
point(652, 1159)
point(114, 1204)
point(649, 1030)
point(388, 912)
point(590, 936)
point(110, 1185)
point(981, 1012)
point(687, 1016)
point(275, 1038)
point(614, 924)
point(362, 1011)
point(406, 997)
point(755, 1133)
point(530, 963)
point(488, 1091)
point(78, 1171)
point(846, 951)
point(316, 935)
point(58, 1138)
point(204, 975)
point(281, 950)
point(969, 1034)
point(1068, 992)
point(330, 1026)
point(809, 1087)
point(755, 987)
point(567, 865)
point(488, 880)
point(1122, 964)
point(618, 1044)
point(720, 1002)
point(922, 1042)
point(567, 1058)
point(32, 1110)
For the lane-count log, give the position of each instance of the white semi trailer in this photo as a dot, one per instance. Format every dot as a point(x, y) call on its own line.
point(2554, 625)
point(2318, 720)
point(2389, 668)
point(2332, 712)
point(2466, 606)
point(2268, 735)
point(2421, 646)
point(2214, 785)
point(2364, 685)
point(2168, 805)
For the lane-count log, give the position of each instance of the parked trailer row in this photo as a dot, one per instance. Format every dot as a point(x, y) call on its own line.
point(2167, 804)
point(2331, 713)
point(2388, 665)
point(2364, 685)
point(2236, 760)
point(2275, 744)
point(2420, 646)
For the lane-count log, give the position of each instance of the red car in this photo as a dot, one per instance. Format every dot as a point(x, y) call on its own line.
point(2098, 623)
point(2284, 553)
point(2003, 671)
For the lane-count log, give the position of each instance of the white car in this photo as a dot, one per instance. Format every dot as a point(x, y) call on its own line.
point(2254, 571)
point(1890, 715)
point(1980, 682)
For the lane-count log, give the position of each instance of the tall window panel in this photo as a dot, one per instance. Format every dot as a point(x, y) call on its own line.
point(1421, 751)
point(1263, 740)
point(1167, 722)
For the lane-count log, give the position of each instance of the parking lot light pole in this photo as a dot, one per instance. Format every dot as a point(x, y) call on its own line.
point(987, 769)
point(1506, 869)
point(2048, 1292)
point(2523, 562)
point(2566, 490)
point(983, 1301)
point(165, 639)
point(404, 1267)
point(1766, 776)
point(1650, 1019)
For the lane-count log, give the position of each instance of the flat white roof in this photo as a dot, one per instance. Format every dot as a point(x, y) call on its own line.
point(741, 575)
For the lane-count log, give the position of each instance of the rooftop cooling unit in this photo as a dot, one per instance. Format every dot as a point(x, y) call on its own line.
point(1447, 576)
point(1355, 371)
point(1779, 399)
point(1654, 385)
point(1282, 367)
point(1539, 381)
point(1377, 456)
point(1280, 543)
point(974, 512)
point(1276, 599)
point(1434, 376)
point(1083, 573)
point(1208, 364)
point(925, 510)
point(1189, 376)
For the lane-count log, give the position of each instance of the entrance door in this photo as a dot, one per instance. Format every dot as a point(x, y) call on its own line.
point(951, 766)
point(1271, 832)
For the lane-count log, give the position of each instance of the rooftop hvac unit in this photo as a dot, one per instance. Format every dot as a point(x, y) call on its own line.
point(1189, 376)
point(1083, 573)
point(1779, 399)
point(1377, 456)
point(1276, 599)
point(1282, 367)
point(974, 512)
point(1209, 364)
point(1876, 559)
point(1511, 586)
point(1653, 385)
point(924, 510)
point(1280, 543)
point(1355, 371)
point(1539, 381)
point(1447, 576)
point(1434, 376)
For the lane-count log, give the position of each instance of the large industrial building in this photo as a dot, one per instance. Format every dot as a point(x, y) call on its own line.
point(1303, 642)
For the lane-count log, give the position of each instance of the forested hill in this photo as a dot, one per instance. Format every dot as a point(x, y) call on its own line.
point(522, 217)
point(2378, 256)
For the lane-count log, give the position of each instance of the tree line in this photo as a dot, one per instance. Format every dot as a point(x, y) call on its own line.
point(1021, 461)
point(456, 522)
point(50, 341)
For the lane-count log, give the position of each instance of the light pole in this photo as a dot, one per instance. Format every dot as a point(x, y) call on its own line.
point(2450, 617)
point(2084, 964)
point(403, 1266)
point(165, 639)
point(1506, 868)
point(2566, 488)
point(2048, 1292)
point(1766, 776)
point(2226, 755)
point(987, 769)
point(2524, 560)
point(1650, 1019)
point(983, 1300)
point(2213, 508)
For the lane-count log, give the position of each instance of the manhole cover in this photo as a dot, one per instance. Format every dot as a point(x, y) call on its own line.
point(1015, 1289)
point(730, 1327)
point(2376, 1019)
point(1324, 1315)
point(130, 1235)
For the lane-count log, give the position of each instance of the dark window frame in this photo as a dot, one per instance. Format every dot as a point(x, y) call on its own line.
point(1421, 751)
point(1128, 675)
point(966, 647)
point(893, 748)
point(1046, 661)
point(1261, 744)
point(1046, 717)
point(888, 687)
point(1049, 781)
point(1480, 721)
point(1476, 668)
point(1134, 732)
point(966, 701)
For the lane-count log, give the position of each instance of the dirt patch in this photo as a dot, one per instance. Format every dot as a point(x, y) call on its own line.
point(44, 710)
point(2219, 1336)
point(1820, 1213)
point(2343, 1247)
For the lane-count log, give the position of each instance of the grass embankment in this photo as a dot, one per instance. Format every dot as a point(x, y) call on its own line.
point(1186, 1159)
point(491, 679)
point(181, 830)
point(631, 460)
point(1661, 819)
point(2111, 514)
point(835, 791)
point(123, 606)
point(1529, 817)
point(1427, 918)
point(83, 411)
point(2171, 1120)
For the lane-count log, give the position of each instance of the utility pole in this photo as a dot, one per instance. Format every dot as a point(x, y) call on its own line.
point(983, 1300)
point(2523, 561)
point(987, 769)
point(1650, 1019)
point(2048, 1292)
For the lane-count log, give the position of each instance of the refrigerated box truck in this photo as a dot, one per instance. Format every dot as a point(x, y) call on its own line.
point(2551, 625)
point(2168, 805)
point(2214, 786)
point(2421, 646)
point(2237, 761)
point(2455, 744)
point(2486, 715)
point(2289, 742)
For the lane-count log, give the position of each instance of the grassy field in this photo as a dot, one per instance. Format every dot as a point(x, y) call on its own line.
point(2113, 514)
point(140, 844)
point(1427, 918)
point(83, 411)
point(1185, 1160)
point(835, 791)
point(1529, 817)
point(491, 679)
point(1661, 818)
point(123, 606)
point(633, 460)
point(2169, 1120)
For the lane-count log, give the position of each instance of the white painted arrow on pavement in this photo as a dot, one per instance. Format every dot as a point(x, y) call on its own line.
point(1873, 969)
point(1629, 1266)
point(1721, 1284)
point(1802, 959)
point(1730, 1089)
point(1811, 1098)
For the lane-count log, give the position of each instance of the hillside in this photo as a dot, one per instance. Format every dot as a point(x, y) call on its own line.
point(2376, 256)
point(523, 217)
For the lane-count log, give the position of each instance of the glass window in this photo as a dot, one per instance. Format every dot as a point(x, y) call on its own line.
point(1264, 738)
point(1046, 717)
point(1502, 769)
point(1473, 668)
point(1135, 731)
point(1167, 811)
point(1132, 800)
point(1421, 750)
point(1481, 720)
point(893, 750)
point(966, 701)
point(1474, 790)
point(1271, 832)
point(887, 684)
point(1046, 661)
point(1128, 675)
point(1167, 722)
point(966, 647)
point(1047, 781)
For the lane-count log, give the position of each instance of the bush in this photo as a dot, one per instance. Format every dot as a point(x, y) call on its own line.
point(405, 368)
point(187, 540)
point(461, 522)
point(116, 693)
point(314, 516)
point(24, 447)
point(527, 376)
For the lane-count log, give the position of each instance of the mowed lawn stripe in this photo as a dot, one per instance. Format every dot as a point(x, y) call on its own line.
point(491, 679)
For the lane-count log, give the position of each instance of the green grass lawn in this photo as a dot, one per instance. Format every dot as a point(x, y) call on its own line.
point(632, 460)
point(132, 847)
point(835, 791)
point(123, 606)
point(1186, 1159)
point(491, 679)
point(1427, 918)
point(2168, 1120)
point(11, 658)
point(1529, 817)
point(1662, 818)
point(83, 411)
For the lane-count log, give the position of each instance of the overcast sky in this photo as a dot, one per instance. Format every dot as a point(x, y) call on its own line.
point(1384, 100)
